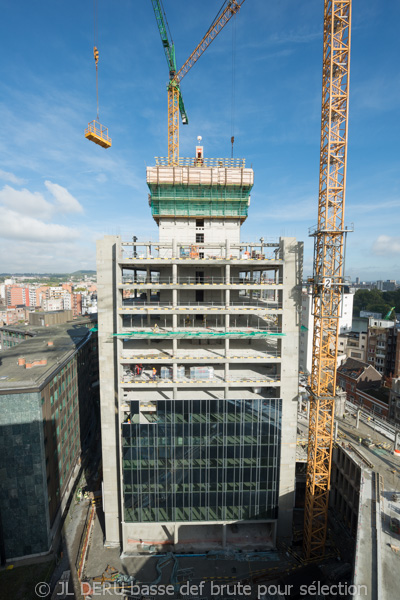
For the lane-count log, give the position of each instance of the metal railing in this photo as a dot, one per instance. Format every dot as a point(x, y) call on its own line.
point(206, 280)
point(253, 305)
point(256, 378)
point(191, 161)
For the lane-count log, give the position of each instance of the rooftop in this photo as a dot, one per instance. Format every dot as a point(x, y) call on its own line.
point(353, 368)
point(44, 352)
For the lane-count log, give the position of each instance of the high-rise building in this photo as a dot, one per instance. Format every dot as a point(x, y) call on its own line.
point(48, 399)
point(198, 351)
point(17, 294)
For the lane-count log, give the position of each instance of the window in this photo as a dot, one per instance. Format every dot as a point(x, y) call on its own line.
point(199, 222)
point(199, 238)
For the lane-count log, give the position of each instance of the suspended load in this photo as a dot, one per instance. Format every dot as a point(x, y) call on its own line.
point(95, 131)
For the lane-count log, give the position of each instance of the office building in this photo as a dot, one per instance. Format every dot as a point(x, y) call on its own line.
point(48, 397)
point(198, 354)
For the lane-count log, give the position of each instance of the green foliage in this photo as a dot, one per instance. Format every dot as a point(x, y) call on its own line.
point(376, 301)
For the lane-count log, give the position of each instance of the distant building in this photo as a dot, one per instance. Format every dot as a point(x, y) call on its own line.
point(17, 295)
point(44, 319)
point(383, 347)
point(353, 344)
point(390, 285)
point(394, 402)
point(354, 375)
point(367, 314)
point(48, 394)
point(375, 400)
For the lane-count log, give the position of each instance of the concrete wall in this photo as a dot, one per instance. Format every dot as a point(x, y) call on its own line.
point(292, 253)
point(107, 251)
point(196, 537)
point(215, 230)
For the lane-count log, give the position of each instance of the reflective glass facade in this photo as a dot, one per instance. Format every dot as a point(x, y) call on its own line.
point(201, 460)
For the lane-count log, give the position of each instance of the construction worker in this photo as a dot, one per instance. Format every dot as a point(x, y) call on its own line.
point(155, 328)
point(140, 369)
point(187, 320)
point(154, 374)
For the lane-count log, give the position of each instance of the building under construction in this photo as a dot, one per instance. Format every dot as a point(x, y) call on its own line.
point(198, 349)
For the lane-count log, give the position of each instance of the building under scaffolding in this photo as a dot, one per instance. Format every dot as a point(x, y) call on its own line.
point(198, 344)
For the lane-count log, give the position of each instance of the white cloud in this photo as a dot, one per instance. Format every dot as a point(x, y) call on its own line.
point(386, 245)
point(22, 227)
point(6, 176)
point(64, 201)
point(25, 202)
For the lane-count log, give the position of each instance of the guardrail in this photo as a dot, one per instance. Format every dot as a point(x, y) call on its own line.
point(209, 280)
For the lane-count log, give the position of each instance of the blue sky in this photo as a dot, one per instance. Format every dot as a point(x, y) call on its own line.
point(59, 192)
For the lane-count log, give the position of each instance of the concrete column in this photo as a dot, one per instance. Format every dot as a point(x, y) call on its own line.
point(397, 440)
point(174, 274)
point(358, 419)
point(227, 274)
point(174, 298)
point(148, 292)
point(174, 371)
point(174, 250)
point(227, 322)
point(174, 322)
point(174, 346)
point(227, 249)
point(226, 371)
point(175, 393)
point(336, 430)
point(226, 347)
point(227, 298)
point(176, 527)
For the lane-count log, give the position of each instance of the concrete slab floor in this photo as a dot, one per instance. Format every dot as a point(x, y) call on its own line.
point(205, 575)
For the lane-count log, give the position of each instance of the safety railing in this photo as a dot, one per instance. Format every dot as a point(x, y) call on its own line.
point(206, 280)
point(148, 378)
point(252, 304)
point(191, 161)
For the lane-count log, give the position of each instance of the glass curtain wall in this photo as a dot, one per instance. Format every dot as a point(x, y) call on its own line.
point(201, 460)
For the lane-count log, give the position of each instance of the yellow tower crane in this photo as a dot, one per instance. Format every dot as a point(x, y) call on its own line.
point(175, 102)
point(328, 277)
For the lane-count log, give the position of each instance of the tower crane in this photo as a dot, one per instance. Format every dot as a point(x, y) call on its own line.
point(175, 102)
point(328, 277)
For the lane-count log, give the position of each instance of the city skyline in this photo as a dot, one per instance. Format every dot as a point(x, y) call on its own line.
point(59, 193)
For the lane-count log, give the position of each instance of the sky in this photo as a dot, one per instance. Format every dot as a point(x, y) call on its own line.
point(260, 79)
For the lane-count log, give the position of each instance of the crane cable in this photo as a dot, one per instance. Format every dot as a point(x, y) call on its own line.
point(96, 53)
point(233, 83)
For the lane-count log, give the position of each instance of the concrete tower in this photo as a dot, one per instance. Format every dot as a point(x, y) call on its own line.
point(198, 344)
